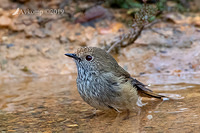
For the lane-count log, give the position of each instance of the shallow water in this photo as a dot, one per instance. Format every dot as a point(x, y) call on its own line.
point(52, 104)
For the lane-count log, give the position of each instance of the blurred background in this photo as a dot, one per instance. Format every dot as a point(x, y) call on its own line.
point(35, 35)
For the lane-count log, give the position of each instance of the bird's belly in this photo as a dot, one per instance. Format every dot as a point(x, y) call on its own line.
point(97, 97)
point(91, 96)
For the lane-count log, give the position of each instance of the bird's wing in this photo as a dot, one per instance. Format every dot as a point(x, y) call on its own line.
point(143, 90)
point(118, 71)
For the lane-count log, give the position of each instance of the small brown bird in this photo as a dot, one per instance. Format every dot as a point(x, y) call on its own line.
point(103, 84)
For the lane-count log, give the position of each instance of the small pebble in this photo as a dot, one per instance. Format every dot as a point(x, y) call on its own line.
point(149, 117)
point(72, 125)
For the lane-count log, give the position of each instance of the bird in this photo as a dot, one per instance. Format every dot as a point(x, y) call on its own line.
point(104, 84)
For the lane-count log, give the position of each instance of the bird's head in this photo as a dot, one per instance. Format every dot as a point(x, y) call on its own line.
point(93, 59)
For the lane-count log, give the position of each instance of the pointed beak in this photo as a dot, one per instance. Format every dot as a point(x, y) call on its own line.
point(73, 56)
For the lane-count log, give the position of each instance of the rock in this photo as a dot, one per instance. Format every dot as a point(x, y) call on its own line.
point(89, 33)
point(5, 21)
point(97, 12)
point(16, 26)
point(40, 33)
point(63, 39)
point(113, 28)
point(72, 38)
point(29, 30)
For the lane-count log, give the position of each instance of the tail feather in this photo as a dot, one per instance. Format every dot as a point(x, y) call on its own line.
point(150, 94)
point(143, 91)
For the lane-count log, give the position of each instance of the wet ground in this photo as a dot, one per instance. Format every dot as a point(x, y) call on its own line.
point(52, 104)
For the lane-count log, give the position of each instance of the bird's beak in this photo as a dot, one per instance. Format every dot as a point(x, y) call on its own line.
point(73, 56)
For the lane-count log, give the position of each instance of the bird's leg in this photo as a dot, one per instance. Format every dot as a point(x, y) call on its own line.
point(138, 110)
point(117, 110)
point(92, 115)
point(127, 114)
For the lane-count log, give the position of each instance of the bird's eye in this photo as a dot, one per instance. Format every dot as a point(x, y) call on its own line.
point(88, 57)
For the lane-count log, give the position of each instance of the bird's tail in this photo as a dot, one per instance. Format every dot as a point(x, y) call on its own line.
point(148, 93)
point(143, 91)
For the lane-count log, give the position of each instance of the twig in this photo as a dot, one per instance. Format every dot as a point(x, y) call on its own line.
point(131, 37)
point(158, 33)
point(152, 23)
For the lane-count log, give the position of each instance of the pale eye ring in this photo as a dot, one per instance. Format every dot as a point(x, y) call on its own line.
point(88, 57)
